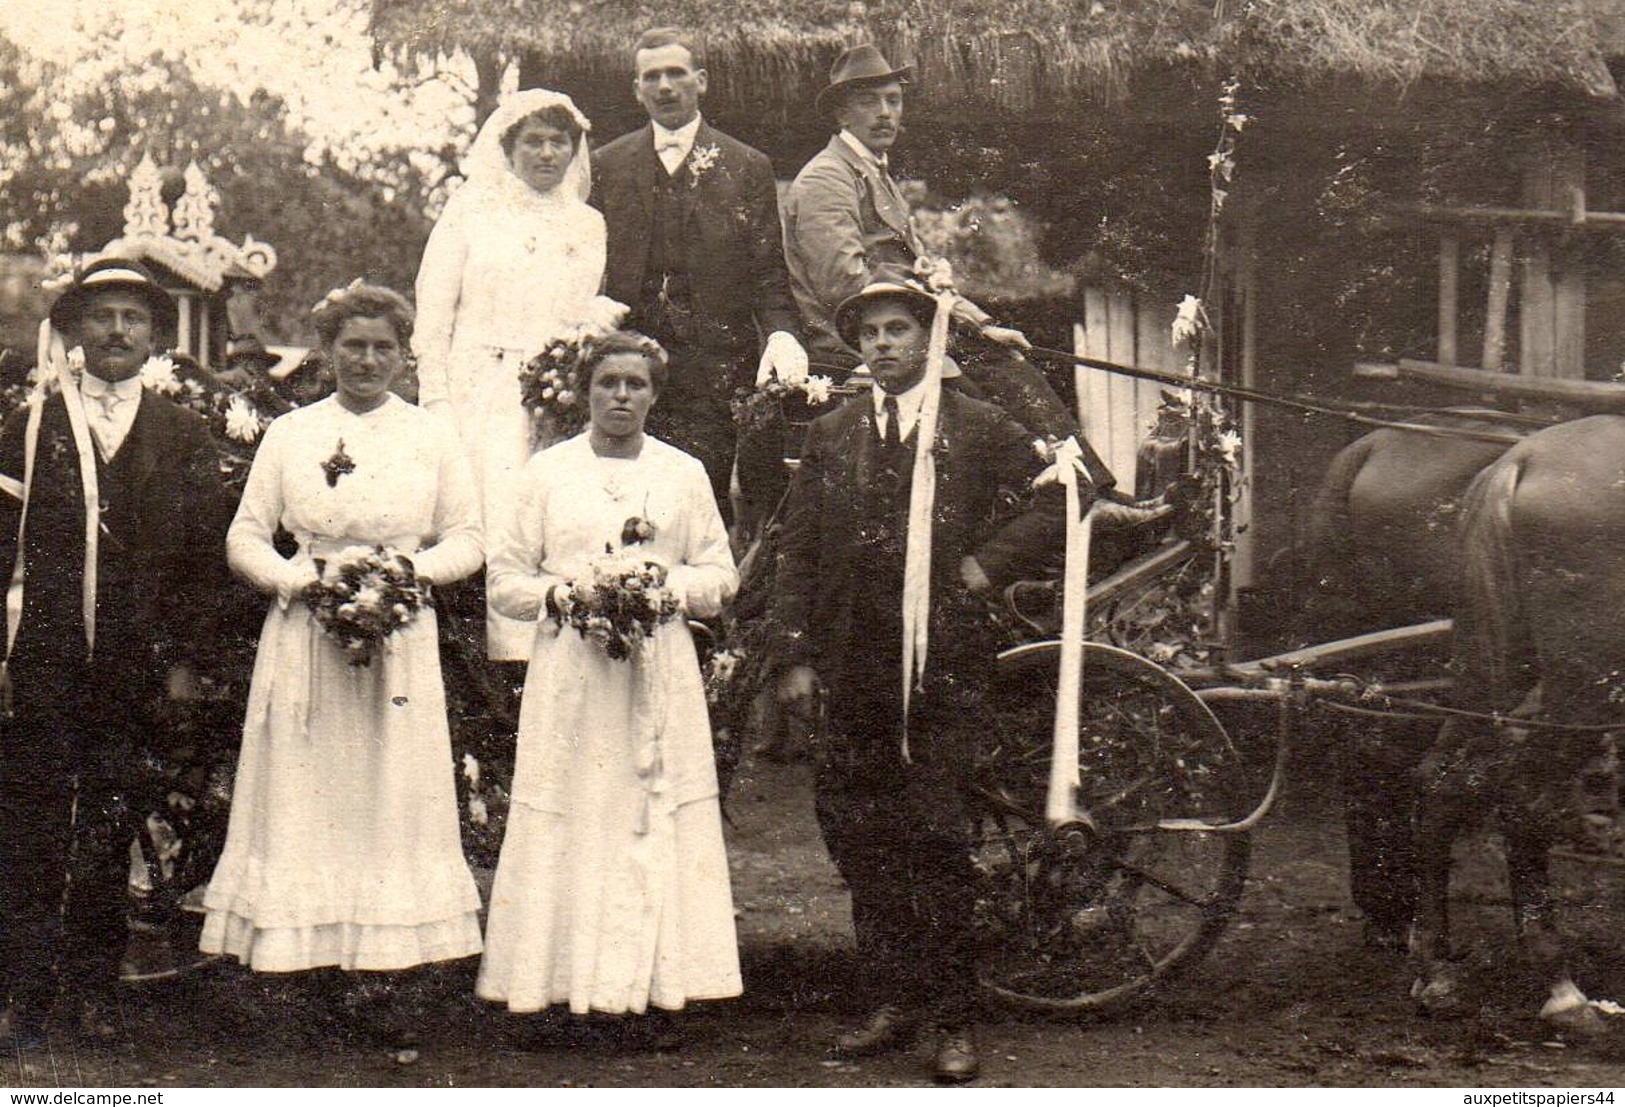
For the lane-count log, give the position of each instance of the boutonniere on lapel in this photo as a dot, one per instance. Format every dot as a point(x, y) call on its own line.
point(338, 465)
point(700, 161)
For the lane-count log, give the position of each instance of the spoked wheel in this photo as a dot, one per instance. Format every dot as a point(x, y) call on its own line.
point(1093, 916)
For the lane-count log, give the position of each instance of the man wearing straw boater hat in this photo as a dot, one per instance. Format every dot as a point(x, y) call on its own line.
point(846, 221)
point(112, 525)
point(892, 536)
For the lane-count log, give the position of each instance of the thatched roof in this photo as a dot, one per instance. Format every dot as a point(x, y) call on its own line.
point(1017, 53)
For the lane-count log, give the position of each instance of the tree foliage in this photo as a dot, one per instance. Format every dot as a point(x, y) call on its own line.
point(69, 137)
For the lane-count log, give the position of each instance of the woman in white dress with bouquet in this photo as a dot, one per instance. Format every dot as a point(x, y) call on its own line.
point(513, 264)
point(612, 893)
point(343, 848)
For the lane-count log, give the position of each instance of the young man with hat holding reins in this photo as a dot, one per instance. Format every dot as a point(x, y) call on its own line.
point(892, 536)
point(112, 534)
point(846, 224)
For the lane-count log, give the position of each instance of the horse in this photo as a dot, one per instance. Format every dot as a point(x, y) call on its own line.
point(1538, 642)
point(1380, 551)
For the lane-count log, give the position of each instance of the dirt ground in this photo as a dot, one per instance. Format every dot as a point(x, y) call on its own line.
point(1289, 998)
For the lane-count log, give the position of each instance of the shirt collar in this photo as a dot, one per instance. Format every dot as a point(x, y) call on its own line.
point(908, 406)
point(92, 385)
point(684, 134)
point(861, 150)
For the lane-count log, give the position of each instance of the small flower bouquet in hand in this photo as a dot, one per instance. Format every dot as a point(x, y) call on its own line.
point(756, 408)
point(622, 605)
point(364, 595)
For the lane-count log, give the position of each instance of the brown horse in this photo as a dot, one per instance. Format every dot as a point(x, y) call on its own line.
point(1381, 554)
point(1538, 641)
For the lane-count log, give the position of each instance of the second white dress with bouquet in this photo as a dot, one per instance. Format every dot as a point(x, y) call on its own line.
point(344, 848)
point(612, 891)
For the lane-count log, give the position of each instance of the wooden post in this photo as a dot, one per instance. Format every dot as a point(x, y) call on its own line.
point(1124, 443)
point(1495, 314)
point(1242, 570)
point(1551, 308)
point(1449, 292)
point(183, 324)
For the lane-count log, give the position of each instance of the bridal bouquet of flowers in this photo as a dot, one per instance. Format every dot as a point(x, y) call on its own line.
point(549, 384)
point(622, 604)
point(364, 595)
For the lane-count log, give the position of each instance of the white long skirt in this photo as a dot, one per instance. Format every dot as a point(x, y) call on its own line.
point(343, 847)
point(616, 895)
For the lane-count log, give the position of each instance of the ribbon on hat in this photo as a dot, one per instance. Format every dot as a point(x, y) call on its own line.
point(922, 496)
point(1069, 470)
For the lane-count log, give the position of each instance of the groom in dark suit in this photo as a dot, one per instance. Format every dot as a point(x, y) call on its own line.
point(695, 249)
point(889, 797)
point(112, 527)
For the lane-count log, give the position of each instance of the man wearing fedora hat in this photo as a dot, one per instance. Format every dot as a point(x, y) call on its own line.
point(112, 527)
point(847, 224)
point(894, 530)
point(694, 248)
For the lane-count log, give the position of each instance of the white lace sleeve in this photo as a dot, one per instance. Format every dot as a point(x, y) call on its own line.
point(439, 291)
point(249, 548)
point(514, 579)
point(458, 550)
point(706, 579)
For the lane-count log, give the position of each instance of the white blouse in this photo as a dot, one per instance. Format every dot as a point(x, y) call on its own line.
point(572, 503)
point(409, 489)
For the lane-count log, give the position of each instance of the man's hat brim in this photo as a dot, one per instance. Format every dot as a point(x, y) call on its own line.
point(112, 276)
point(850, 313)
point(830, 99)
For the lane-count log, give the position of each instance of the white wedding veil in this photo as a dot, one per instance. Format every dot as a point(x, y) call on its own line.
point(487, 166)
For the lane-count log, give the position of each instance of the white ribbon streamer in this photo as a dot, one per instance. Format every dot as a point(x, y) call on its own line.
point(1061, 806)
point(53, 359)
point(922, 496)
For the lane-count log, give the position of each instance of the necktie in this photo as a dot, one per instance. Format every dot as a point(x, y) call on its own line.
point(894, 419)
point(662, 145)
point(102, 416)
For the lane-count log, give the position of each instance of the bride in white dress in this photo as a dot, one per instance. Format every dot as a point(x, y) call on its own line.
point(514, 262)
point(343, 848)
point(612, 893)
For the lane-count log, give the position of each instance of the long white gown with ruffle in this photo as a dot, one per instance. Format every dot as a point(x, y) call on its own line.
point(612, 889)
point(343, 847)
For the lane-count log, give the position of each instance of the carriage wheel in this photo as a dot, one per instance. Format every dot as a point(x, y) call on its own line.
point(1088, 918)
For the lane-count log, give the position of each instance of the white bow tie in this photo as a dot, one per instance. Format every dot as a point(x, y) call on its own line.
point(664, 144)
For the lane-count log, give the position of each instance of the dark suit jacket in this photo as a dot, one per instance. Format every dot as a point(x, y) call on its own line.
point(161, 554)
point(982, 454)
point(731, 234)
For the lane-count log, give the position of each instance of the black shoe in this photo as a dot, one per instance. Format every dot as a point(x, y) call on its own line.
point(958, 1060)
point(887, 1029)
